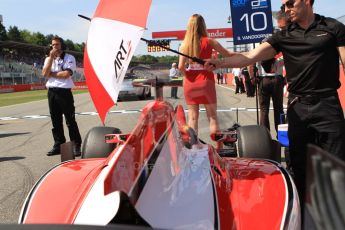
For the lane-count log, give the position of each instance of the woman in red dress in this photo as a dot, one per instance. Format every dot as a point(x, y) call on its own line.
point(199, 84)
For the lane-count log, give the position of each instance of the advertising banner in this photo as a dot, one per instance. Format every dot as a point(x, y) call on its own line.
point(251, 20)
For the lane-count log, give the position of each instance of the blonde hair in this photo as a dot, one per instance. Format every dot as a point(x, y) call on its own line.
point(196, 29)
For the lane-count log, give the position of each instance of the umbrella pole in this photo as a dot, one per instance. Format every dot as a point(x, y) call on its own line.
point(195, 59)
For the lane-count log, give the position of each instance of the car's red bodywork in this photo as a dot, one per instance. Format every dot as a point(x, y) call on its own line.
point(246, 193)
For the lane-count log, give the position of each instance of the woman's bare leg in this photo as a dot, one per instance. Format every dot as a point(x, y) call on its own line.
point(211, 111)
point(193, 117)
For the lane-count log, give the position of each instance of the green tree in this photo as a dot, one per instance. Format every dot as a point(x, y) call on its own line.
point(69, 44)
point(79, 47)
point(168, 59)
point(82, 46)
point(39, 39)
point(36, 38)
point(26, 36)
point(49, 38)
point(14, 34)
point(148, 59)
point(3, 33)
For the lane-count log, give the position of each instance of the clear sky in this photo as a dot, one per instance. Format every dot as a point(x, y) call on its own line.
point(60, 16)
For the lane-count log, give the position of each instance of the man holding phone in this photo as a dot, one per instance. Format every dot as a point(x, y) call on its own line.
point(58, 69)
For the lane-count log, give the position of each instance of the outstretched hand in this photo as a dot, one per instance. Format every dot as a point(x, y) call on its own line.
point(211, 64)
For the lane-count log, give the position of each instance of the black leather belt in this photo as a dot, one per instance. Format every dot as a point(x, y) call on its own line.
point(56, 89)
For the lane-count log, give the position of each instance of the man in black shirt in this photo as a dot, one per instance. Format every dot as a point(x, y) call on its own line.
point(311, 46)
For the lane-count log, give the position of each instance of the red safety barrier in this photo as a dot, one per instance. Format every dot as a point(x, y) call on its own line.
point(30, 87)
point(80, 85)
point(21, 88)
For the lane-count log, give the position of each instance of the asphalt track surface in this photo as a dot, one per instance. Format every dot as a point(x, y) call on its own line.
point(25, 137)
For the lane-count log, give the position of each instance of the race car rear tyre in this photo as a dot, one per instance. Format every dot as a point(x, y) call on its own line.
point(94, 145)
point(255, 141)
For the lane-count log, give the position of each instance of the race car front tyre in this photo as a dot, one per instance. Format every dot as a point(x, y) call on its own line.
point(94, 145)
point(255, 141)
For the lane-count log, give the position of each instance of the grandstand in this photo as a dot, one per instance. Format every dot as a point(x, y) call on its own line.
point(21, 63)
point(13, 73)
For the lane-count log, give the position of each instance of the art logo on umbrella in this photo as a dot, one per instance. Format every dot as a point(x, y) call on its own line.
point(122, 55)
point(114, 33)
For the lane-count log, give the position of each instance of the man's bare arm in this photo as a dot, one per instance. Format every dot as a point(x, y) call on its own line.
point(46, 71)
point(262, 52)
point(218, 47)
point(61, 74)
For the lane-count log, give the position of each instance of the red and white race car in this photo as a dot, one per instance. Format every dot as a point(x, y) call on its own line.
point(161, 176)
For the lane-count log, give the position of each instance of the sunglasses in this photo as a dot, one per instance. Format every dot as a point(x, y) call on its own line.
point(289, 4)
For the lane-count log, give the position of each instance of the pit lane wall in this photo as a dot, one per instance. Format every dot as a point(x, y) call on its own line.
point(229, 79)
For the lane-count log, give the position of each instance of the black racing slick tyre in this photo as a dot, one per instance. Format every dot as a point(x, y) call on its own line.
point(94, 145)
point(255, 141)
